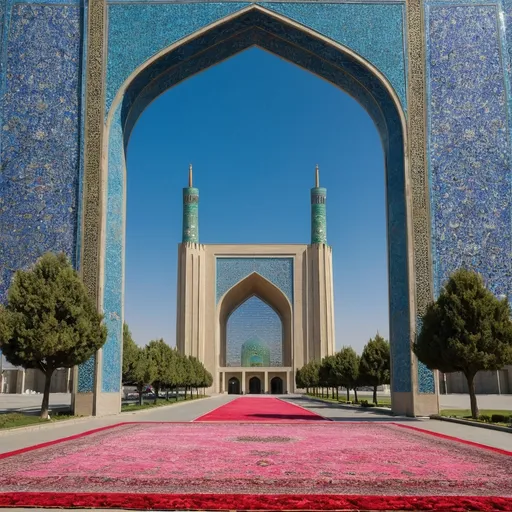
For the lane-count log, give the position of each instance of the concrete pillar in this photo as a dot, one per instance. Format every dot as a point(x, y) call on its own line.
point(243, 382)
point(20, 381)
point(288, 389)
point(223, 390)
point(267, 388)
point(2, 382)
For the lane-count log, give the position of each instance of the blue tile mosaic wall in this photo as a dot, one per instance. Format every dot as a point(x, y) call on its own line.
point(374, 31)
point(426, 380)
point(136, 32)
point(114, 271)
point(40, 135)
point(279, 271)
point(377, 36)
point(469, 144)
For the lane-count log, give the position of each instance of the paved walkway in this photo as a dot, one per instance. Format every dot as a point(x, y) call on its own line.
point(32, 403)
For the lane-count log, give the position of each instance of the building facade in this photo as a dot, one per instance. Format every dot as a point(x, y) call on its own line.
point(253, 314)
point(433, 75)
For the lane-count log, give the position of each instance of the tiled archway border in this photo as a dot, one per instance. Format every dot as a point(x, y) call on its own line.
point(420, 268)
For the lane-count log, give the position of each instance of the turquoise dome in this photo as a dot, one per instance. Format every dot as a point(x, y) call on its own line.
point(255, 353)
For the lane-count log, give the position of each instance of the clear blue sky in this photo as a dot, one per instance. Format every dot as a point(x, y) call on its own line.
point(254, 127)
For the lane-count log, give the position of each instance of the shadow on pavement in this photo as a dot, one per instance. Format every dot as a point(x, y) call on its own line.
point(349, 414)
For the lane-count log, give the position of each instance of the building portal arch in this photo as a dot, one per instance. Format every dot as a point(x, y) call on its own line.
point(102, 254)
point(255, 285)
point(276, 386)
point(255, 386)
point(233, 386)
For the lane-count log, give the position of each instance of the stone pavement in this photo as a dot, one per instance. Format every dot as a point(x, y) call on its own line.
point(62, 400)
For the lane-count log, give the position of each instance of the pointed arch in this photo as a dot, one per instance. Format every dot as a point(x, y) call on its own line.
point(255, 285)
point(102, 235)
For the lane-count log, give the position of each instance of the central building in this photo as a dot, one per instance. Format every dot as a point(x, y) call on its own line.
point(254, 314)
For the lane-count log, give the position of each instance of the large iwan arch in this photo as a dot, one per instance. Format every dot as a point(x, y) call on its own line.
point(413, 391)
point(435, 77)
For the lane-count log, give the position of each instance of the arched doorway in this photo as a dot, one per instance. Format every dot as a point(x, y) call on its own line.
point(276, 386)
point(103, 220)
point(233, 386)
point(254, 386)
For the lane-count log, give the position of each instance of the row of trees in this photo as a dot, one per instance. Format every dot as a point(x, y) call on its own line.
point(347, 369)
point(49, 322)
point(162, 367)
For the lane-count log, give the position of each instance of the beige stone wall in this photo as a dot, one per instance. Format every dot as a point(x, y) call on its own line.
point(308, 323)
point(486, 383)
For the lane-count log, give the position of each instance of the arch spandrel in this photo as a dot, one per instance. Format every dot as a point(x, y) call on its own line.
point(256, 285)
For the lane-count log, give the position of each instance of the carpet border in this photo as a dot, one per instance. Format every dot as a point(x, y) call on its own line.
point(59, 440)
point(248, 502)
point(457, 439)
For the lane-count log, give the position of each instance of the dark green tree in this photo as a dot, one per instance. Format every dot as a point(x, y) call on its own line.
point(328, 374)
point(162, 357)
point(374, 364)
point(311, 375)
point(187, 374)
point(144, 371)
point(467, 329)
point(49, 321)
point(348, 367)
point(130, 353)
point(299, 381)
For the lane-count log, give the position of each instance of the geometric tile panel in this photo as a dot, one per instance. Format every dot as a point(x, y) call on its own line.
point(255, 324)
point(230, 271)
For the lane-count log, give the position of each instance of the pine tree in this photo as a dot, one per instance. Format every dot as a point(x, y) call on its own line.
point(374, 364)
point(49, 321)
point(467, 329)
point(144, 371)
point(130, 353)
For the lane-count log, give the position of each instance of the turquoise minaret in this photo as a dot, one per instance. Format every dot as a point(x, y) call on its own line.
point(190, 212)
point(318, 214)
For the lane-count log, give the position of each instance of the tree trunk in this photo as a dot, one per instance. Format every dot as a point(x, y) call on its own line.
point(337, 393)
point(348, 394)
point(140, 396)
point(332, 394)
point(46, 395)
point(355, 395)
point(375, 395)
point(472, 396)
point(156, 389)
point(167, 394)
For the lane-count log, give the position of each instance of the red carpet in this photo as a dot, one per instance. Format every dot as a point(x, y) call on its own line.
point(244, 502)
point(258, 466)
point(270, 410)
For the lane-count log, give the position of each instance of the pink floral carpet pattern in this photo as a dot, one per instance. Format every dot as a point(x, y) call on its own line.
point(303, 458)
